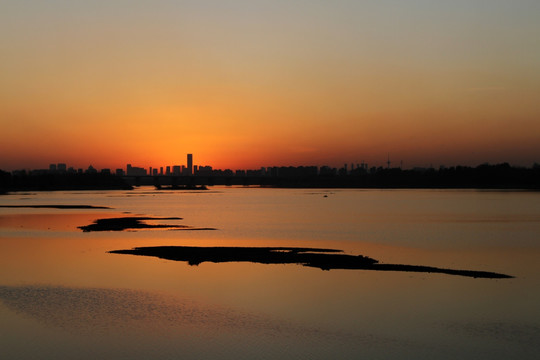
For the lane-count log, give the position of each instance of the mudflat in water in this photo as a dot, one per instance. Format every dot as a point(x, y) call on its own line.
point(324, 259)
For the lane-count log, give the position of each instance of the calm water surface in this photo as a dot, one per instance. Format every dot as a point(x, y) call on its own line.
point(62, 295)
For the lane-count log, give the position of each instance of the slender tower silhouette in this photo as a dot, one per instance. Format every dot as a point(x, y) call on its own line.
point(388, 162)
point(190, 164)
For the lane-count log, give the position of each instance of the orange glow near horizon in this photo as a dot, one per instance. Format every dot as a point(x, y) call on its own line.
point(250, 87)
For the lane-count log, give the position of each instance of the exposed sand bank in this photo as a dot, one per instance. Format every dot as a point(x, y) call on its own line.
point(325, 259)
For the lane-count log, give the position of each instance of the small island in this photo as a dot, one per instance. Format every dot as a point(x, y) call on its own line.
point(325, 259)
point(135, 223)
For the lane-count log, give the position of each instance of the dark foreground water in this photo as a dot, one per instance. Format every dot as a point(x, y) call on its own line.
point(63, 295)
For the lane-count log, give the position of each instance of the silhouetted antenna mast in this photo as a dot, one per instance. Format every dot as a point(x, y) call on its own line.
point(388, 162)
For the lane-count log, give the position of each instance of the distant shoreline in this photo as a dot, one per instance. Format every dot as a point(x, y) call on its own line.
point(483, 177)
point(61, 182)
point(496, 189)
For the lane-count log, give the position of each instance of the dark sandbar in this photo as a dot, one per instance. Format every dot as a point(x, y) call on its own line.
point(56, 206)
point(325, 259)
point(134, 222)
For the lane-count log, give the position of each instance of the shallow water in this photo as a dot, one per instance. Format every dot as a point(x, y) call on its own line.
point(63, 295)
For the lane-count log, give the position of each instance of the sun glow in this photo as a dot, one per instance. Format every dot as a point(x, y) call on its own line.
point(268, 84)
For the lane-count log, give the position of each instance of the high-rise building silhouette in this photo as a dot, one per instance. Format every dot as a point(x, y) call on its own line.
point(190, 164)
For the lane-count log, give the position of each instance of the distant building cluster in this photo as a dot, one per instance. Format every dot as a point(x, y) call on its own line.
point(199, 170)
point(281, 171)
point(61, 168)
point(188, 170)
point(189, 176)
point(174, 170)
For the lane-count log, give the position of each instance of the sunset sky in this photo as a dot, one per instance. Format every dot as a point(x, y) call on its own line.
point(247, 83)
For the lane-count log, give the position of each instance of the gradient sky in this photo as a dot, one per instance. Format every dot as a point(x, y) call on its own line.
point(247, 83)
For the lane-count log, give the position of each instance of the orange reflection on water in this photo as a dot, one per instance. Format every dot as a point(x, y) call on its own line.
point(53, 221)
point(347, 299)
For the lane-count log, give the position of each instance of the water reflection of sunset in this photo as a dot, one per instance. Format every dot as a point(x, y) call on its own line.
point(375, 314)
point(51, 221)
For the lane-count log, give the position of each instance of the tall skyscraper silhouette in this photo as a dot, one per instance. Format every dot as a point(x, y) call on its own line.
point(190, 164)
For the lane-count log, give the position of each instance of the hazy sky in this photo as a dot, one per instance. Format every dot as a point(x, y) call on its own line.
point(247, 83)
